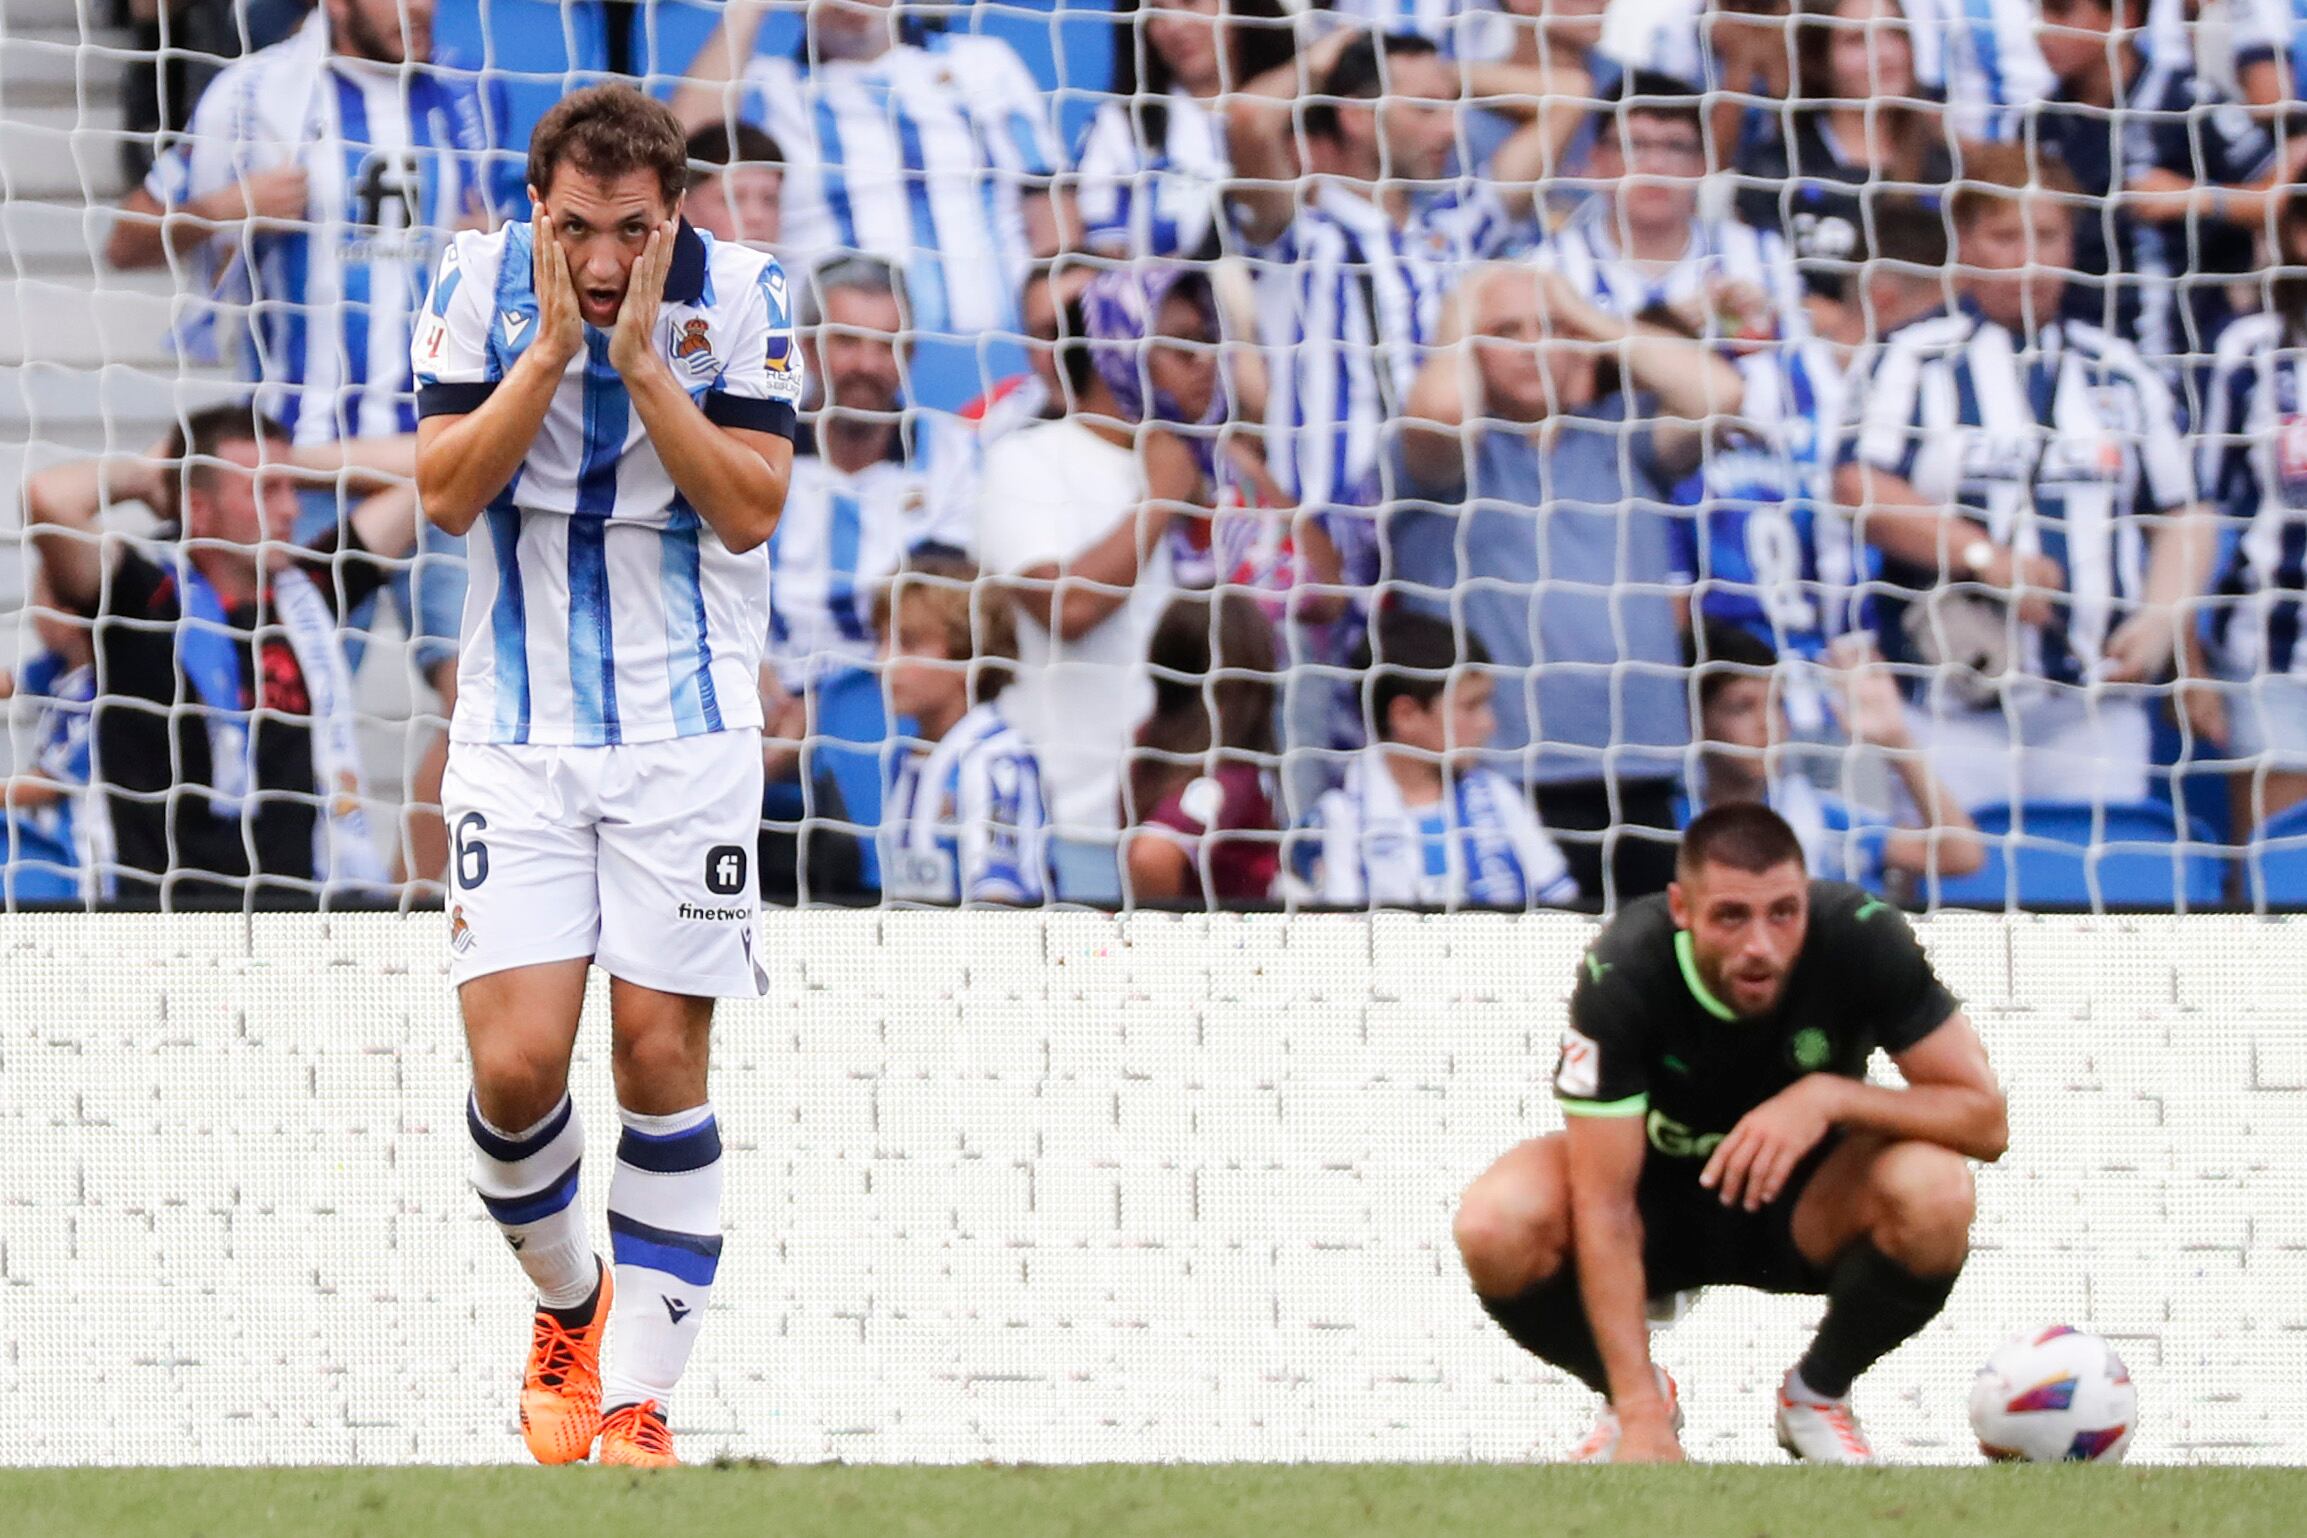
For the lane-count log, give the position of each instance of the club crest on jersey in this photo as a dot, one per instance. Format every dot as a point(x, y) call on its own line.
point(694, 347)
point(460, 932)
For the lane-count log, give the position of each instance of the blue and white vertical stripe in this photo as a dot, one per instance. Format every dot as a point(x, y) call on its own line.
point(601, 609)
point(918, 156)
point(2254, 470)
point(393, 160)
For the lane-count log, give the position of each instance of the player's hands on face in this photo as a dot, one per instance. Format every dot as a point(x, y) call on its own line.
point(1751, 1166)
point(560, 328)
point(632, 345)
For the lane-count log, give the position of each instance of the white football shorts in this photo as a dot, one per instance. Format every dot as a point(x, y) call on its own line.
point(638, 856)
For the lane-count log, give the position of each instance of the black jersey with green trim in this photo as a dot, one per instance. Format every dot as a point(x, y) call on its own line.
point(1646, 1038)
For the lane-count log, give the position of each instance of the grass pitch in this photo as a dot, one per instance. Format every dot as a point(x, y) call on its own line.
point(1139, 1501)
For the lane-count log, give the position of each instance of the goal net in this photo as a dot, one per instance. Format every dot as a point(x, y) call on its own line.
point(2061, 529)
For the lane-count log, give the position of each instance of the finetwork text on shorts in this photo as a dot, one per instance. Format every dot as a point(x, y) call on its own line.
point(716, 915)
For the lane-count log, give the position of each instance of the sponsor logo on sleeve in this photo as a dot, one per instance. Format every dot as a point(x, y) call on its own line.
point(1579, 1073)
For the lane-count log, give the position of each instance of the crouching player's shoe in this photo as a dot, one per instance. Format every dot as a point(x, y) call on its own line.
point(1601, 1444)
point(1819, 1430)
point(561, 1391)
point(635, 1436)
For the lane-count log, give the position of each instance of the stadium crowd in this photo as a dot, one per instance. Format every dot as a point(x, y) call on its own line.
point(1407, 453)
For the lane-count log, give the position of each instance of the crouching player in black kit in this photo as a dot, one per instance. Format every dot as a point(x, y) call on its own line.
point(1720, 1132)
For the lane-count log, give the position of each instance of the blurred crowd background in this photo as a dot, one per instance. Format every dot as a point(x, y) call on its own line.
point(1407, 453)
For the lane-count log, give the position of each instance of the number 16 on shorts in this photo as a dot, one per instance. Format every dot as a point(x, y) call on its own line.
point(638, 856)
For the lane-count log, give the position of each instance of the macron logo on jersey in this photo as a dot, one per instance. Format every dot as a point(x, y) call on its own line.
point(516, 322)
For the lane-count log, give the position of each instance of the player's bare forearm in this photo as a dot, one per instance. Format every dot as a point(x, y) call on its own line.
point(1971, 1120)
point(464, 462)
point(1604, 1156)
point(732, 484)
point(1606, 1237)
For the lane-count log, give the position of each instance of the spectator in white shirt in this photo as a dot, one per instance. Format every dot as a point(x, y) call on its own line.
point(1076, 516)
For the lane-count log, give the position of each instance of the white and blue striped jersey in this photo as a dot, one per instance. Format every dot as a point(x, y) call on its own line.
point(394, 159)
point(1765, 547)
point(2057, 449)
point(602, 609)
point(1346, 305)
point(1142, 199)
point(2254, 470)
point(1586, 251)
point(1980, 56)
point(920, 157)
point(965, 820)
point(843, 535)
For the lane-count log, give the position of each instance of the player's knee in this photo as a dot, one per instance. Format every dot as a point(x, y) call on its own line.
point(1508, 1242)
point(516, 1088)
point(1925, 1195)
point(655, 1062)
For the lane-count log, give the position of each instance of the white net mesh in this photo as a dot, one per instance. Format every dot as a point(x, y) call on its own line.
point(2064, 519)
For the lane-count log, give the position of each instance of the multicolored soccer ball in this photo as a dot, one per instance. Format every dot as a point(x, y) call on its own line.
point(2054, 1396)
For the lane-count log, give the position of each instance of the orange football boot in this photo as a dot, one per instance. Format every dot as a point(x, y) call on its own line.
point(635, 1436)
point(561, 1390)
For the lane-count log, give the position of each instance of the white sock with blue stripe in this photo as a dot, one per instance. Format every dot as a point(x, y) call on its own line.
point(528, 1183)
point(665, 1240)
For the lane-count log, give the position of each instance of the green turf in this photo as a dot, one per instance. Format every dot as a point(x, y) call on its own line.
point(1256, 1501)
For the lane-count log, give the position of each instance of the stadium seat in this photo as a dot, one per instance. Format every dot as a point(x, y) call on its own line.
point(2275, 861)
point(852, 727)
point(2060, 854)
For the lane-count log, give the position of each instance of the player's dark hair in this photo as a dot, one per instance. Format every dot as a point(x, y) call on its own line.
point(195, 443)
point(714, 146)
point(610, 131)
point(1410, 656)
point(1360, 75)
point(1744, 835)
point(1214, 667)
point(1724, 654)
point(977, 619)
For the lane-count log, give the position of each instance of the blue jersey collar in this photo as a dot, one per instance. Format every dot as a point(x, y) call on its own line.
point(685, 279)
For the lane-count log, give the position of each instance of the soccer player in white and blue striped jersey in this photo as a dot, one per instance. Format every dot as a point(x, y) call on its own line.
point(928, 148)
point(366, 154)
point(2024, 476)
point(609, 401)
point(966, 820)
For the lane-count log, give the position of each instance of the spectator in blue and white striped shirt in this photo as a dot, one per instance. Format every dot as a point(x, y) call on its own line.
point(1641, 242)
point(2024, 476)
point(2254, 470)
point(1355, 263)
point(928, 149)
point(966, 820)
point(364, 157)
point(1151, 167)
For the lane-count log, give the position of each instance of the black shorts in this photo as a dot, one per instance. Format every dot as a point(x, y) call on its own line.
point(1689, 1239)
